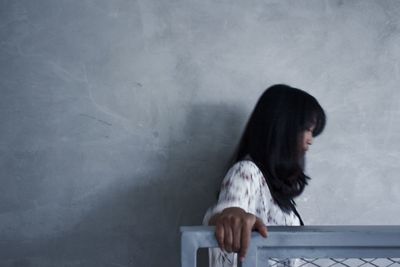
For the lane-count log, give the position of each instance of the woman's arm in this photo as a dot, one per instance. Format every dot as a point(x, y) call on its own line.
point(233, 229)
point(234, 214)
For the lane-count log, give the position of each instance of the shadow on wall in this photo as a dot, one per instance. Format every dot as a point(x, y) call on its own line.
point(139, 225)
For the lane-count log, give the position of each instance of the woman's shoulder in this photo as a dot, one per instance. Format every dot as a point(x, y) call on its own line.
point(247, 165)
point(245, 169)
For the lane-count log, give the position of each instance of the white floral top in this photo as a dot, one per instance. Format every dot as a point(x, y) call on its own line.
point(244, 186)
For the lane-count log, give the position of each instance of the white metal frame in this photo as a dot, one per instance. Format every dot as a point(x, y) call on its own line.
point(301, 242)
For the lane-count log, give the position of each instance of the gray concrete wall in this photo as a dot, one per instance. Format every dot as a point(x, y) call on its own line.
point(118, 117)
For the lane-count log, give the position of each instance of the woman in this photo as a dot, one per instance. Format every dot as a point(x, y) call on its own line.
point(268, 171)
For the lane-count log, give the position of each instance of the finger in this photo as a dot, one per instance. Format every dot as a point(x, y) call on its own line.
point(245, 241)
point(219, 234)
point(227, 237)
point(260, 227)
point(237, 232)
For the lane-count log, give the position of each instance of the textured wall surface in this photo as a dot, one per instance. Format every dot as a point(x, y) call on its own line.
point(118, 117)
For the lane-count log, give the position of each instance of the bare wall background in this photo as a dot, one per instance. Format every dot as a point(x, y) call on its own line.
point(118, 117)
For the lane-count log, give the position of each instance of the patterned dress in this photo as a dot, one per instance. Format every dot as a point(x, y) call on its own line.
point(244, 186)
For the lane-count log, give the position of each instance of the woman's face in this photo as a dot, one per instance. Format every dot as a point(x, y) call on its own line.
point(307, 139)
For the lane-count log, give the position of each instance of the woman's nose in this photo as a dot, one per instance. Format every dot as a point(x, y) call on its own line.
point(309, 139)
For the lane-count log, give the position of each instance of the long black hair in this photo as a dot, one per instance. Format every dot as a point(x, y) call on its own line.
point(272, 139)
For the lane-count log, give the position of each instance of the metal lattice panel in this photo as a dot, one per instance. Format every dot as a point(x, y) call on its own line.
point(335, 262)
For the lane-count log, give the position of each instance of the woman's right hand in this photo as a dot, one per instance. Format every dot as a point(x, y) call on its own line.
point(233, 228)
